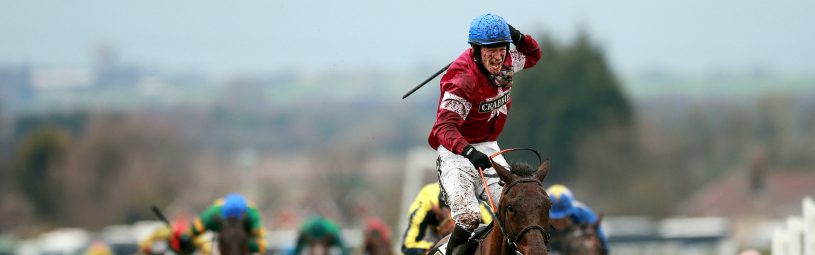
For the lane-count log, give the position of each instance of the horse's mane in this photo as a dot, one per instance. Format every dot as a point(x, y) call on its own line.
point(232, 237)
point(521, 169)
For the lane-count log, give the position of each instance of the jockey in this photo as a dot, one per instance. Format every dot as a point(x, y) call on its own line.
point(417, 239)
point(474, 103)
point(231, 206)
point(378, 229)
point(566, 211)
point(375, 226)
point(161, 239)
point(319, 230)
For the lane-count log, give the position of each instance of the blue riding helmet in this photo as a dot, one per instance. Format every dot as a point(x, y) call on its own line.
point(562, 201)
point(489, 29)
point(234, 206)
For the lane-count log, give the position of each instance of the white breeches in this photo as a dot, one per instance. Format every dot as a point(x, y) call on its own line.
point(463, 186)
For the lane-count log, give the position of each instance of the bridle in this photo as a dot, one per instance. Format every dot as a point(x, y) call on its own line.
point(512, 242)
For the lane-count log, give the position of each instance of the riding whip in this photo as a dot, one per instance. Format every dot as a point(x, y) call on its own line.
point(428, 80)
point(161, 215)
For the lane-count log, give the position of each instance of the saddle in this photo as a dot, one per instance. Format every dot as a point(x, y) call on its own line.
point(479, 234)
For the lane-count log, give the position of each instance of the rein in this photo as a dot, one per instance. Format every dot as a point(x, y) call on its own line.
point(484, 180)
point(512, 243)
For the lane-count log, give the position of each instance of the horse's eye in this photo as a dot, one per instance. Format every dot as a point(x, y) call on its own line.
point(510, 209)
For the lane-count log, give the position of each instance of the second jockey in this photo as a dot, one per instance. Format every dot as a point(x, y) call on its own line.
point(567, 211)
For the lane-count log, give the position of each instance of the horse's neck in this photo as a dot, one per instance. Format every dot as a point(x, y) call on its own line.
point(381, 250)
point(376, 246)
point(494, 243)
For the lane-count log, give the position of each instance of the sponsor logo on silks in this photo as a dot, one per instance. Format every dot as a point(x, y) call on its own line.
point(491, 105)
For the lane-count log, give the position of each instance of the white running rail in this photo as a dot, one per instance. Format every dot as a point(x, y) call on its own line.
point(798, 236)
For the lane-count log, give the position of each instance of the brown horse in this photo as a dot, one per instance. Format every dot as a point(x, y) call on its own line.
point(523, 215)
point(233, 237)
point(317, 248)
point(377, 238)
point(582, 239)
point(445, 220)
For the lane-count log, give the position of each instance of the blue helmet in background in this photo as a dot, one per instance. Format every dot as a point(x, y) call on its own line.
point(489, 29)
point(234, 206)
point(562, 201)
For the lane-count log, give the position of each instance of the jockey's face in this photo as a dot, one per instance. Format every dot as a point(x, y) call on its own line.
point(493, 58)
point(561, 223)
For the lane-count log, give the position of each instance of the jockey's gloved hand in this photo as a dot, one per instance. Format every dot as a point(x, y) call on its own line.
point(479, 159)
point(517, 36)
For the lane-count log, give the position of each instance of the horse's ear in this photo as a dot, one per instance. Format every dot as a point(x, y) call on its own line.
point(503, 173)
point(543, 170)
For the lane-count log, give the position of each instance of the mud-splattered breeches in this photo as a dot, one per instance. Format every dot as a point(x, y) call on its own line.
point(463, 185)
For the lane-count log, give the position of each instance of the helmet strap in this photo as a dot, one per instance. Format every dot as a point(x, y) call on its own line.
point(478, 61)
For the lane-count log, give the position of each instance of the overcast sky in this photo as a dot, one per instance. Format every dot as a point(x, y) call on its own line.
point(259, 36)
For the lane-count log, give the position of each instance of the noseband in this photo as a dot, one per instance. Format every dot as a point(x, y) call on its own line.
point(501, 223)
point(512, 241)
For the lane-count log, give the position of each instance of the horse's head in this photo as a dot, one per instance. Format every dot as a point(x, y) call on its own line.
point(583, 239)
point(524, 208)
point(377, 237)
point(317, 248)
point(445, 220)
point(233, 237)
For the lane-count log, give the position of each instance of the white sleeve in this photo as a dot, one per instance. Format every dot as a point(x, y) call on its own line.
point(457, 104)
point(518, 60)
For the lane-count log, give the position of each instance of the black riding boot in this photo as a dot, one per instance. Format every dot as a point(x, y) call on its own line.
point(457, 238)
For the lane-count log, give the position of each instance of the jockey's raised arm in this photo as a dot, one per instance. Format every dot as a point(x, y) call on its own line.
point(472, 110)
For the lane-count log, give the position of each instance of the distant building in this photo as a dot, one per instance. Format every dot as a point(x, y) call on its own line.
point(755, 201)
point(773, 194)
point(15, 88)
point(110, 72)
point(118, 76)
point(61, 78)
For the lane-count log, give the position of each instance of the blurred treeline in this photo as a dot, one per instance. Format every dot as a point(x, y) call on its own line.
point(646, 156)
point(344, 155)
